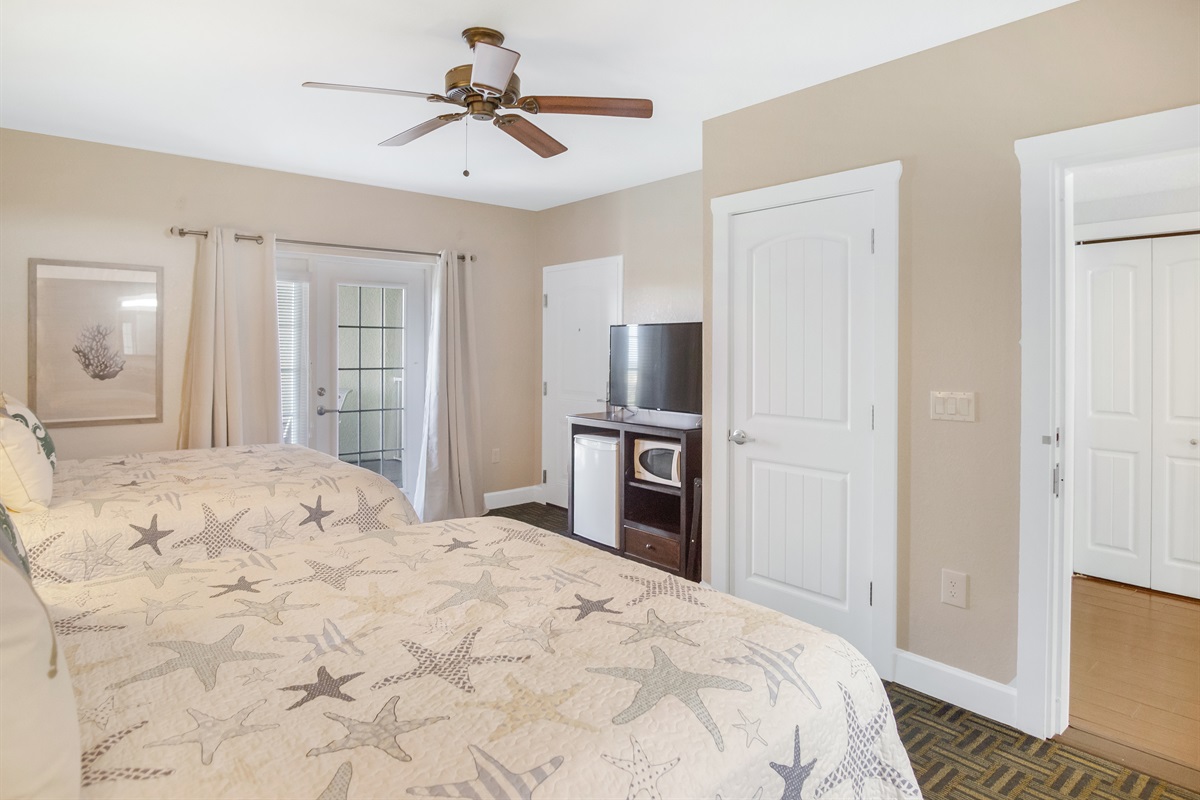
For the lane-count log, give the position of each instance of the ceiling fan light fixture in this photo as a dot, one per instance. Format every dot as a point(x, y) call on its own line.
point(493, 68)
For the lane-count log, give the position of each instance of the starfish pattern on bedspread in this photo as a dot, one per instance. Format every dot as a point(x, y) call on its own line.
point(202, 658)
point(216, 536)
point(644, 776)
point(366, 517)
point(242, 585)
point(315, 515)
point(457, 544)
point(149, 535)
point(339, 787)
point(492, 779)
point(540, 635)
point(211, 732)
point(269, 610)
point(452, 666)
point(796, 774)
point(526, 706)
point(155, 608)
point(336, 576)
point(482, 590)
point(272, 528)
point(38, 572)
point(381, 732)
point(778, 666)
point(325, 686)
point(90, 774)
point(667, 586)
point(587, 607)
point(69, 625)
point(156, 575)
point(94, 555)
point(656, 627)
point(665, 679)
point(862, 762)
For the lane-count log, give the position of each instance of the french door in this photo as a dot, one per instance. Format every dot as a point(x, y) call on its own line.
point(366, 387)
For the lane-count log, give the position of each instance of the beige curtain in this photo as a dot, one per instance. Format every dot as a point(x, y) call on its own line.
point(448, 481)
point(231, 378)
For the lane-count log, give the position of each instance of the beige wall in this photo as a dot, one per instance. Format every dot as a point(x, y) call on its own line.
point(657, 227)
point(951, 114)
point(66, 199)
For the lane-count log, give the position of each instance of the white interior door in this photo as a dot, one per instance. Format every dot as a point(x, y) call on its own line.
point(580, 302)
point(1175, 547)
point(1113, 411)
point(368, 375)
point(801, 372)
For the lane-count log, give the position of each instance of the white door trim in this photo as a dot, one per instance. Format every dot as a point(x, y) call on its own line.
point(1044, 564)
point(884, 181)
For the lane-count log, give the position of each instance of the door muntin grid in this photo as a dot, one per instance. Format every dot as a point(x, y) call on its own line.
point(370, 368)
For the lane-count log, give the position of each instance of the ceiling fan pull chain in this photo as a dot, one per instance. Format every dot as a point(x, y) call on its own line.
point(466, 147)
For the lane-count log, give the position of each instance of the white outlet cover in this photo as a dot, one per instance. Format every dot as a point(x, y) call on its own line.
point(954, 588)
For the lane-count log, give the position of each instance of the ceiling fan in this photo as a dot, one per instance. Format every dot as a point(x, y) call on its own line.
point(490, 84)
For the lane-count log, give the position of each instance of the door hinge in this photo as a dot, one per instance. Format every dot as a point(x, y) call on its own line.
point(872, 240)
point(543, 476)
point(1055, 478)
point(872, 417)
point(545, 388)
point(545, 301)
point(871, 594)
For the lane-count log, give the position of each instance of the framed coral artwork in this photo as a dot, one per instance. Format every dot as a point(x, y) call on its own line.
point(95, 342)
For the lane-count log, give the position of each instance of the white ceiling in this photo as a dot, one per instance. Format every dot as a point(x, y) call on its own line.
point(221, 79)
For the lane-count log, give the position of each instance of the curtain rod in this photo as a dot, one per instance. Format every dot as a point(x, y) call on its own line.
point(258, 239)
point(1141, 236)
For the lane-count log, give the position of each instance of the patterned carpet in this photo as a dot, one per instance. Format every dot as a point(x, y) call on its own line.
point(957, 754)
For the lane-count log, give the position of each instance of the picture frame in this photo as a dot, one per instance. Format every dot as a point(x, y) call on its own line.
point(95, 343)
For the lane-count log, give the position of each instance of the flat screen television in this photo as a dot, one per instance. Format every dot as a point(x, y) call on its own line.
point(656, 366)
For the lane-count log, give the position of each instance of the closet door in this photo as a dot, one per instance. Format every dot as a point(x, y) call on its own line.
point(1176, 461)
point(1113, 411)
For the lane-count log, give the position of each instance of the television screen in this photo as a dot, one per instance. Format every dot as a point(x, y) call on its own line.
point(657, 366)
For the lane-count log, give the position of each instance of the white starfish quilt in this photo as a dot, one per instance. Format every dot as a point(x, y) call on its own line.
point(161, 511)
point(478, 658)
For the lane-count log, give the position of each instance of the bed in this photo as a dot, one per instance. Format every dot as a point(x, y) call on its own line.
point(152, 511)
point(471, 658)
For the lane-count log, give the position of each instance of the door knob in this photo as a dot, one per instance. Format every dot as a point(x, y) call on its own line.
point(739, 437)
point(322, 411)
point(1194, 442)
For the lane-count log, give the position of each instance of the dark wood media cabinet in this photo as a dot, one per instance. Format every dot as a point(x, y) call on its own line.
point(656, 519)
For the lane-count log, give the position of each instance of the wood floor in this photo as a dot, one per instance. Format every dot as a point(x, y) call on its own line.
point(1135, 668)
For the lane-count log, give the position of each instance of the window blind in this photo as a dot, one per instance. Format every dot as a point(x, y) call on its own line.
point(292, 297)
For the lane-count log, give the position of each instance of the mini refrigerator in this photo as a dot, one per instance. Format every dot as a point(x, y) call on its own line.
point(597, 472)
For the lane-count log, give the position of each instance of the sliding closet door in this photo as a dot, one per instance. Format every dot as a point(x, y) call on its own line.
point(1176, 469)
point(1113, 411)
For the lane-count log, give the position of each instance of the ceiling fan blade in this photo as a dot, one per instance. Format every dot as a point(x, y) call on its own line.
point(372, 89)
point(600, 106)
point(417, 131)
point(529, 135)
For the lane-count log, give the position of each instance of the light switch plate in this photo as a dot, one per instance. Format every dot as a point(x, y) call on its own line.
point(953, 406)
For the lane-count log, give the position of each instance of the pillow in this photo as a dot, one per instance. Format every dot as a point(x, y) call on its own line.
point(39, 729)
point(22, 414)
point(11, 546)
point(26, 478)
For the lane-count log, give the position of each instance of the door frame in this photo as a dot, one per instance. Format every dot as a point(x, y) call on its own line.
point(1042, 682)
point(617, 261)
point(884, 181)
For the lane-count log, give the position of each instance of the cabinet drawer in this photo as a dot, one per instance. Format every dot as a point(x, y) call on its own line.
point(657, 550)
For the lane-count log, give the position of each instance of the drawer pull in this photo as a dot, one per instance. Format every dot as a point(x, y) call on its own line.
point(649, 546)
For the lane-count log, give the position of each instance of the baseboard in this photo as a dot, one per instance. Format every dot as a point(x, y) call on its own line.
point(988, 698)
point(513, 497)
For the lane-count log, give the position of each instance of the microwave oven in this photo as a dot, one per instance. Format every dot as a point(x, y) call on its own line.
point(656, 461)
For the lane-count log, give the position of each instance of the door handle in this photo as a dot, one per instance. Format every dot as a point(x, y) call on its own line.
point(739, 437)
point(1194, 442)
point(322, 411)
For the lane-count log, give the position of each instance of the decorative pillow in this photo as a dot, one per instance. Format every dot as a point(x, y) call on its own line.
point(11, 546)
point(22, 414)
point(26, 477)
point(39, 729)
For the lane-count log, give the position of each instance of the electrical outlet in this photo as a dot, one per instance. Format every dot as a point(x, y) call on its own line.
point(954, 588)
point(495, 455)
